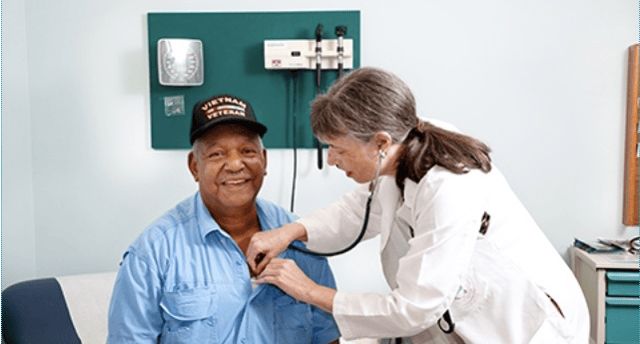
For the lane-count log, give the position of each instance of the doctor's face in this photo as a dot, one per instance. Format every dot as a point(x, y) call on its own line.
point(357, 159)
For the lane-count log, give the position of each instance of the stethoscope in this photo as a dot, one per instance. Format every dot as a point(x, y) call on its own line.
point(449, 325)
point(365, 221)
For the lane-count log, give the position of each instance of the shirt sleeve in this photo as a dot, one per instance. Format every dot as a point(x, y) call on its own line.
point(446, 216)
point(335, 227)
point(134, 313)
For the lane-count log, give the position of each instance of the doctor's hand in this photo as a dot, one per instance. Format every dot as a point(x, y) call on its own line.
point(286, 275)
point(265, 246)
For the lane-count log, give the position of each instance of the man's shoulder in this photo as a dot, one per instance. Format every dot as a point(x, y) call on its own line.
point(274, 214)
point(175, 219)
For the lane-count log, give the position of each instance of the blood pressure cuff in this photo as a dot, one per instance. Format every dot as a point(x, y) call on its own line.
point(35, 311)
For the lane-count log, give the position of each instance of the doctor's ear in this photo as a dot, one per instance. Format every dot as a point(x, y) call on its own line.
point(382, 140)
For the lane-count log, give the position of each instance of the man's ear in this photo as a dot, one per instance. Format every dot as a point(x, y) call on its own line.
point(264, 156)
point(193, 166)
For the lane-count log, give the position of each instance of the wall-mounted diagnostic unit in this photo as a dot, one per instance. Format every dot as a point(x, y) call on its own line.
point(318, 54)
point(301, 54)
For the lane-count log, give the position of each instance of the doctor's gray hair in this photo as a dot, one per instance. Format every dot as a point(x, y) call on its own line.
point(362, 103)
point(369, 100)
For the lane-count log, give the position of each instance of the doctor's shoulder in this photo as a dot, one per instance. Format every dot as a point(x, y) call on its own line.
point(440, 177)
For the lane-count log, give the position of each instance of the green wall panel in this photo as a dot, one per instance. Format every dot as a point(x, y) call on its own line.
point(234, 64)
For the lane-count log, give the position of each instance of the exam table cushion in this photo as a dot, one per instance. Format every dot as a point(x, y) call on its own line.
point(35, 312)
point(67, 309)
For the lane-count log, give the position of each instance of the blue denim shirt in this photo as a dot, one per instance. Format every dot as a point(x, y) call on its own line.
point(184, 280)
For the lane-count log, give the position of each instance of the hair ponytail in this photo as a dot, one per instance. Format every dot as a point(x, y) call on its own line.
point(369, 100)
point(427, 145)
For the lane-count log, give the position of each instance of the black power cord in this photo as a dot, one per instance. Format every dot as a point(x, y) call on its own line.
point(294, 96)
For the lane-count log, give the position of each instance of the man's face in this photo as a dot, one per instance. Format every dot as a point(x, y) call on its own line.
point(229, 163)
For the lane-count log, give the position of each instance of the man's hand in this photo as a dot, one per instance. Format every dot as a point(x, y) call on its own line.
point(267, 245)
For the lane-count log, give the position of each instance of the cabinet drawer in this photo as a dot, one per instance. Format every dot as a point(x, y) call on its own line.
point(623, 283)
point(621, 317)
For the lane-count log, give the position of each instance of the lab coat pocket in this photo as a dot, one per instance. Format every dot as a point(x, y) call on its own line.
point(293, 320)
point(189, 316)
point(556, 328)
point(497, 303)
point(472, 295)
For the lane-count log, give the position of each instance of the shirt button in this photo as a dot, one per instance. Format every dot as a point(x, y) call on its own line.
point(238, 263)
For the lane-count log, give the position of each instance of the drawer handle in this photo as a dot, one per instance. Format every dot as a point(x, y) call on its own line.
point(624, 276)
point(623, 301)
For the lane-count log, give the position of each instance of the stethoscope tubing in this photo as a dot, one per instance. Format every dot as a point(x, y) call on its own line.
point(365, 221)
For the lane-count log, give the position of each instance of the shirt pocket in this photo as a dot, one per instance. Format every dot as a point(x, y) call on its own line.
point(190, 317)
point(293, 321)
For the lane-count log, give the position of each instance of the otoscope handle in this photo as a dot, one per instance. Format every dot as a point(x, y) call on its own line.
point(340, 32)
point(318, 80)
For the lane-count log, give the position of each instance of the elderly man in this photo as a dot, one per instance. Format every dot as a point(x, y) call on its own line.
point(185, 278)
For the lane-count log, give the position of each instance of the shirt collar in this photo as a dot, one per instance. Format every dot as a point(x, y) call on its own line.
point(206, 223)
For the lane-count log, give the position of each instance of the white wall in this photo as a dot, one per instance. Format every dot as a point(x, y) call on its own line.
point(18, 236)
point(542, 82)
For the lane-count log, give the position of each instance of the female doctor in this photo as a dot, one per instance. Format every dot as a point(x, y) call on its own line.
point(465, 261)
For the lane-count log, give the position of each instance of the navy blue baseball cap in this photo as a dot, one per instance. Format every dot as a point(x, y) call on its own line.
point(223, 109)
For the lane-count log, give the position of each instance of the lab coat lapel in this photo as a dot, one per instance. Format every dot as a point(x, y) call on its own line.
point(394, 243)
point(389, 199)
point(395, 208)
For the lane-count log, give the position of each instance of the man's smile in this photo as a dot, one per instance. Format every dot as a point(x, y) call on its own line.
point(235, 181)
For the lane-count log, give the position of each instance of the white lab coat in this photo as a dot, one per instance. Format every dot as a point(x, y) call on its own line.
point(497, 286)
